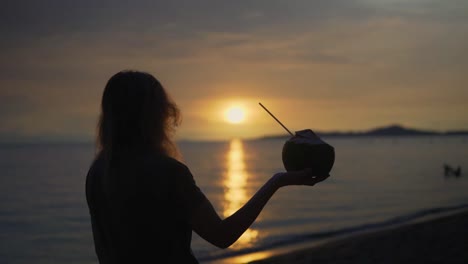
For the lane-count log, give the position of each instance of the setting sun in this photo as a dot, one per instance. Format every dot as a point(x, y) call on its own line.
point(235, 115)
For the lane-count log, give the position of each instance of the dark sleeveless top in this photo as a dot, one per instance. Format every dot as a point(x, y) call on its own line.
point(140, 206)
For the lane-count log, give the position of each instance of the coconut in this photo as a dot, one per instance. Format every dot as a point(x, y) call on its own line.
point(306, 150)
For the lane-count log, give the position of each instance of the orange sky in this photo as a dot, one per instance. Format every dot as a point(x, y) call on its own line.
point(325, 65)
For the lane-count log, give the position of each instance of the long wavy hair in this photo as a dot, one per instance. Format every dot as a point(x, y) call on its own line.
point(136, 114)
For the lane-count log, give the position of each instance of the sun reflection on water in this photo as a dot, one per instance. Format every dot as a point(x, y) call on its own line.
point(235, 195)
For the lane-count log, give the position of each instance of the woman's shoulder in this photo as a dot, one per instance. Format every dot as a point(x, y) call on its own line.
point(97, 163)
point(144, 161)
point(165, 161)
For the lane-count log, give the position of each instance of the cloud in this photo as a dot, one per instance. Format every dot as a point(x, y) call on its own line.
point(355, 55)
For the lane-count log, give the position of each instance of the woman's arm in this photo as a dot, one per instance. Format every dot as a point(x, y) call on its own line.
point(223, 233)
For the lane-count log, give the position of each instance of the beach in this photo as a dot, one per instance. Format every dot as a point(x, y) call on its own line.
point(439, 240)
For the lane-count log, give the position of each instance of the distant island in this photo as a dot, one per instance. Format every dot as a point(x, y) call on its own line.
point(391, 130)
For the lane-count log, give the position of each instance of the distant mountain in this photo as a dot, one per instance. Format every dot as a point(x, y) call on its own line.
point(391, 130)
point(397, 130)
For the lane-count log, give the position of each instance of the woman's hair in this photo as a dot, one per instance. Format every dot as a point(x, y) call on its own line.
point(136, 114)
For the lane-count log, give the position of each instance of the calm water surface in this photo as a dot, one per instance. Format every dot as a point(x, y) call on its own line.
point(44, 218)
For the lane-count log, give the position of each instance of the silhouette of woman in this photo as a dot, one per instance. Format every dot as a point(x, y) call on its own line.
point(143, 202)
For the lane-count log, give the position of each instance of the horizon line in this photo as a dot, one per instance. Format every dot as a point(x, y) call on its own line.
point(331, 133)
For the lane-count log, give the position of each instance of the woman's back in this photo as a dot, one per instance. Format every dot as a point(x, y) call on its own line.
point(139, 205)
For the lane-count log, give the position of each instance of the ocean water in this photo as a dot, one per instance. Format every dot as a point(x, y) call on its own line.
point(376, 182)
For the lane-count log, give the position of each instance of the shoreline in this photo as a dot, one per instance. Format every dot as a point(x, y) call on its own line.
point(313, 240)
point(436, 239)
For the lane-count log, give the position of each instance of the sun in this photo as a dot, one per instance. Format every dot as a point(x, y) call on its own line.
point(235, 115)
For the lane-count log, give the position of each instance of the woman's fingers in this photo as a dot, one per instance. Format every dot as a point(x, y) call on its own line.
point(303, 177)
point(322, 177)
point(313, 179)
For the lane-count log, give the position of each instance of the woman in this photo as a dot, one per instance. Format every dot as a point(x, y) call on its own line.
point(144, 203)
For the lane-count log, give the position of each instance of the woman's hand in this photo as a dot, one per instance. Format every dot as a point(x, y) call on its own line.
point(303, 177)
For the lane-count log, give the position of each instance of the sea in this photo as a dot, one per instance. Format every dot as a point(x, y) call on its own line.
point(376, 182)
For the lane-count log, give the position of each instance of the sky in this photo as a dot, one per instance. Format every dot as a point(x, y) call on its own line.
point(328, 65)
